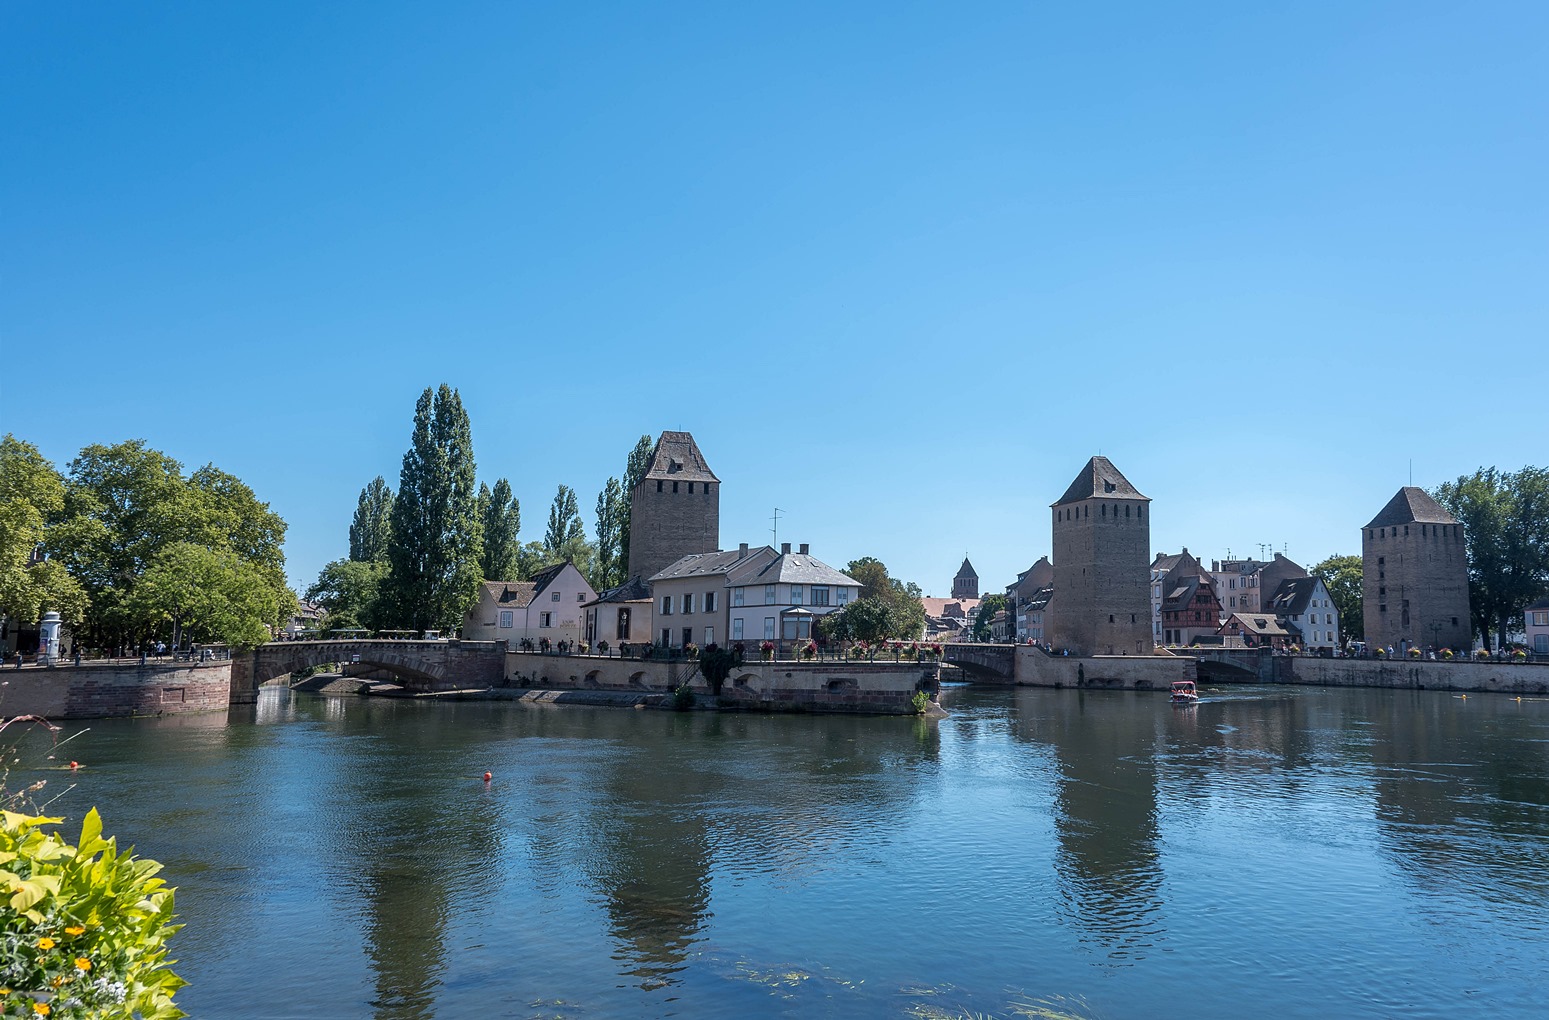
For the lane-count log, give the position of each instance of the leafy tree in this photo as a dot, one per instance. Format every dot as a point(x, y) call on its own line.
point(212, 593)
point(612, 517)
point(1341, 575)
point(501, 514)
point(372, 528)
point(988, 607)
point(564, 520)
point(351, 592)
point(638, 464)
point(867, 619)
point(32, 493)
point(1505, 518)
point(902, 597)
point(716, 664)
point(436, 537)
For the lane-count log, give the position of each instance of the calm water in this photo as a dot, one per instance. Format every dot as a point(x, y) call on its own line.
point(1290, 853)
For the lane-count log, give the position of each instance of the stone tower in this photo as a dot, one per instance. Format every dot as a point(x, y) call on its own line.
point(1414, 576)
point(1102, 555)
point(966, 584)
point(675, 509)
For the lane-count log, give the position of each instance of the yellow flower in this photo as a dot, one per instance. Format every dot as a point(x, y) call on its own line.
point(45, 943)
point(75, 929)
point(56, 982)
point(81, 963)
point(41, 1008)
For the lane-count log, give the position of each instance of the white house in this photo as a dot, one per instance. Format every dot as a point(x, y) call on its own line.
point(621, 615)
point(690, 597)
point(1304, 607)
point(780, 599)
point(1536, 618)
point(548, 606)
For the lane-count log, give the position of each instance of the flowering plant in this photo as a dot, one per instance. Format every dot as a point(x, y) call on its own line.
point(1446, 653)
point(86, 930)
point(1520, 655)
point(602, 646)
point(691, 650)
point(1483, 653)
point(766, 649)
point(1414, 653)
point(809, 649)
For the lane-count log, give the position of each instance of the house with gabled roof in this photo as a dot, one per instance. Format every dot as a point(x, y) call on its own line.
point(1303, 605)
point(1255, 630)
point(549, 605)
point(620, 616)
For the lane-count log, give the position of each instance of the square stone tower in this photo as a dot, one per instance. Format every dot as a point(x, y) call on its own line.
point(1102, 555)
point(675, 509)
point(1414, 576)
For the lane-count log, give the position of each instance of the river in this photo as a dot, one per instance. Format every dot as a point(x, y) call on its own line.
point(1288, 852)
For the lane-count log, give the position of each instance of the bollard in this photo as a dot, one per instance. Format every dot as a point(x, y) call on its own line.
point(77, 656)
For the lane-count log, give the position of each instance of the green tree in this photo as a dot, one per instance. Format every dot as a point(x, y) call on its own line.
point(1341, 575)
point(351, 592)
point(31, 494)
point(1505, 518)
point(501, 514)
point(716, 664)
point(902, 597)
point(612, 518)
point(988, 607)
point(867, 619)
point(634, 469)
point(433, 558)
point(372, 528)
point(209, 594)
point(564, 520)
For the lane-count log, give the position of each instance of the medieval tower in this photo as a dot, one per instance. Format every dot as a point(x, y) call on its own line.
point(966, 584)
point(1102, 553)
point(1414, 580)
point(675, 508)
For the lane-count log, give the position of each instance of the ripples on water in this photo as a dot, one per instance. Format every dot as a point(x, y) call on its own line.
point(1040, 853)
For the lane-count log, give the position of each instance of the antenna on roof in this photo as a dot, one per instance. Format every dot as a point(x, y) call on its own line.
point(776, 529)
point(1411, 470)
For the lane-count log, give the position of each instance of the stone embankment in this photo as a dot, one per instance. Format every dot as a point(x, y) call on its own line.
point(1504, 677)
point(114, 688)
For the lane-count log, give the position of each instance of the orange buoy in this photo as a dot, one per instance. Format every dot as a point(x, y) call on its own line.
point(75, 765)
point(488, 776)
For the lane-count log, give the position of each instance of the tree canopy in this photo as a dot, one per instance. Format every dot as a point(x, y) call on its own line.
point(1341, 575)
point(501, 515)
point(612, 519)
point(372, 528)
point(436, 535)
point(635, 467)
point(1505, 518)
point(351, 591)
point(32, 494)
point(564, 520)
point(988, 607)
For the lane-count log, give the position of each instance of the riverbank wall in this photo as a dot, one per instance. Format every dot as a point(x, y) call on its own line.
point(115, 688)
point(1506, 678)
point(1034, 667)
point(865, 688)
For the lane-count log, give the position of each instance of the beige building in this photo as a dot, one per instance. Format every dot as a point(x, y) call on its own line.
point(548, 606)
point(620, 616)
point(1414, 583)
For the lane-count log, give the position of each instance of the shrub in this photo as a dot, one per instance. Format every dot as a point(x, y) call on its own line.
point(86, 930)
point(602, 646)
point(1414, 653)
point(1520, 655)
point(809, 649)
point(691, 650)
point(766, 650)
point(1445, 653)
point(920, 701)
point(1483, 653)
point(682, 699)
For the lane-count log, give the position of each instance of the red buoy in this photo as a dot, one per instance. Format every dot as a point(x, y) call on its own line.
point(488, 776)
point(75, 765)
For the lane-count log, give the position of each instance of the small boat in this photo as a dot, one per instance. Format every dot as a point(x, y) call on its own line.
point(1183, 692)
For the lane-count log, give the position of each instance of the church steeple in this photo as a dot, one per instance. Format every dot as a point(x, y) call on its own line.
point(966, 584)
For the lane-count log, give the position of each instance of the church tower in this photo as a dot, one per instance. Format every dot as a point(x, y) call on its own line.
point(675, 508)
point(966, 584)
point(1414, 576)
point(1102, 554)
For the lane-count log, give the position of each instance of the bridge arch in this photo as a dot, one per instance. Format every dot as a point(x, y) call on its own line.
point(423, 665)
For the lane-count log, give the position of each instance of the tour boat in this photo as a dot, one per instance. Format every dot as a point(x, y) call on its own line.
point(1183, 691)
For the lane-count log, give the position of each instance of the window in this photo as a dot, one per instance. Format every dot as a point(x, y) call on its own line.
point(688, 636)
point(674, 486)
point(842, 597)
point(736, 629)
point(545, 619)
point(505, 619)
point(690, 488)
point(658, 485)
point(769, 596)
point(580, 596)
point(688, 603)
point(1541, 619)
point(709, 601)
point(666, 632)
point(736, 596)
point(623, 630)
point(796, 594)
point(709, 636)
point(820, 595)
point(769, 628)
point(666, 605)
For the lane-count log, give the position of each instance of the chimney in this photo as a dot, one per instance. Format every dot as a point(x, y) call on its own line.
point(742, 550)
point(785, 548)
point(803, 548)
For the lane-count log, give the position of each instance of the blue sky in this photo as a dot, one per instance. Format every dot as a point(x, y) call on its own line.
point(900, 267)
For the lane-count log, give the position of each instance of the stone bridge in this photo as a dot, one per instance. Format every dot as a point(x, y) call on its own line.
point(1242, 665)
point(427, 665)
point(991, 663)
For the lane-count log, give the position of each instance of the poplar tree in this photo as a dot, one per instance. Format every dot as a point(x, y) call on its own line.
point(612, 516)
point(371, 529)
point(501, 515)
point(564, 521)
point(436, 537)
point(639, 463)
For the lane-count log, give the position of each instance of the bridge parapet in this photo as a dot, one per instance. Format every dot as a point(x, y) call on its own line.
point(984, 662)
point(430, 665)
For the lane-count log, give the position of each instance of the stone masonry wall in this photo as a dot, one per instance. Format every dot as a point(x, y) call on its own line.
point(1038, 669)
point(1101, 572)
point(859, 687)
point(1425, 566)
point(108, 690)
point(1506, 678)
point(665, 526)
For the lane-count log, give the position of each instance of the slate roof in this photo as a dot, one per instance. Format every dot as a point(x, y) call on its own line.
point(801, 568)
point(677, 458)
point(511, 593)
point(1539, 606)
point(636, 589)
point(708, 563)
point(1099, 479)
point(1040, 599)
point(1291, 598)
point(1262, 624)
point(966, 570)
point(1412, 505)
point(1183, 594)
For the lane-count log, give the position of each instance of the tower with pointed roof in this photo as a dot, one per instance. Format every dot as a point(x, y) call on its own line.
point(1414, 576)
point(966, 584)
point(675, 509)
point(1102, 550)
